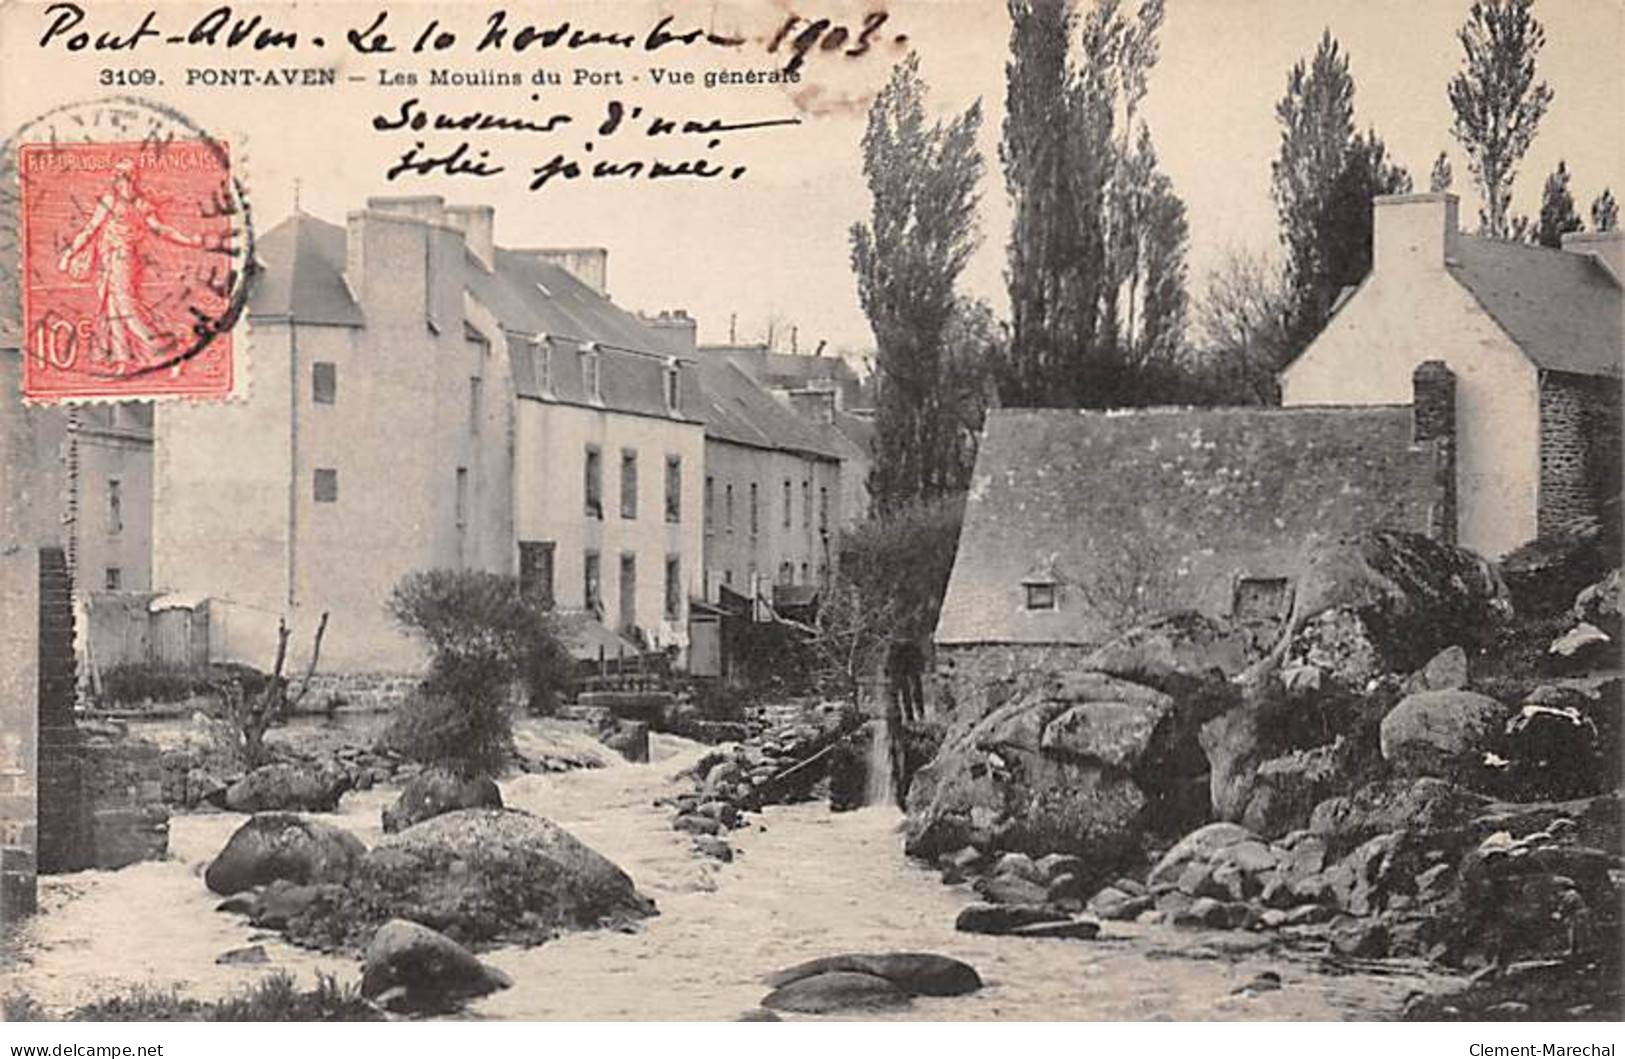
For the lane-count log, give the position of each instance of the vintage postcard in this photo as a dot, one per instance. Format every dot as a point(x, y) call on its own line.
point(976, 511)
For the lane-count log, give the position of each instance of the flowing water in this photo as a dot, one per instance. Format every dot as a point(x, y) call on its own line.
point(805, 883)
point(878, 785)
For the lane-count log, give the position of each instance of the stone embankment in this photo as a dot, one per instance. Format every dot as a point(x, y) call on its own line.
point(1374, 780)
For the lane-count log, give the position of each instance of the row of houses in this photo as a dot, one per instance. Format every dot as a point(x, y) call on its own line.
point(1468, 388)
point(419, 398)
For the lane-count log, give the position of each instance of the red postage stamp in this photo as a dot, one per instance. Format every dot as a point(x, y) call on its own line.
point(128, 269)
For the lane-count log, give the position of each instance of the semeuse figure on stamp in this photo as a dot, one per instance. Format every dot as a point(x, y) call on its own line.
point(111, 241)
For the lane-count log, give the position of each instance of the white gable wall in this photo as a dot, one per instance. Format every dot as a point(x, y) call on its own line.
point(1409, 310)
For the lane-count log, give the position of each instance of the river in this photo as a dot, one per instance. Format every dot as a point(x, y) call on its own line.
point(805, 883)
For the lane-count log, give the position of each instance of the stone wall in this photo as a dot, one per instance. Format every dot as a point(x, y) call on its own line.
point(123, 817)
point(19, 588)
point(374, 691)
point(971, 680)
point(1579, 447)
point(60, 777)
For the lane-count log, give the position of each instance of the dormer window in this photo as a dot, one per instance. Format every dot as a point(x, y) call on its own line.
point(1041, 588)
point(673, 390)
point(541, 357)
point(1040, 595)
point(591, 375)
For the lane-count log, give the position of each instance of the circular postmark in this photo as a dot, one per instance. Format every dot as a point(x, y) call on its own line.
point(126, 253)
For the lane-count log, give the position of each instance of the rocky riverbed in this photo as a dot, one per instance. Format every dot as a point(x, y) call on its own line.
point(804, 883)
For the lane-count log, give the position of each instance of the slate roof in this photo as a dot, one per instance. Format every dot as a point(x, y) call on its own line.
point(303, 274)
point(791, 370)
point(303, 280)
point(1176, 503)
point(736, 409)
point(1563, 309)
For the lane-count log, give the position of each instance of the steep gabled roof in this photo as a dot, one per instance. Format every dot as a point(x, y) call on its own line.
point(302, 277)
point(303, 280)
point(1164, 508)
point(737, 410)
point(1563, 309)
point(533, 297)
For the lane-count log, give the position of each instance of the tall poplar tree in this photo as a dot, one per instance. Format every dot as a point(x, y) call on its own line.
point(1323, 181)
point(922, 177)
point(1497, 102)
point(1096, 259)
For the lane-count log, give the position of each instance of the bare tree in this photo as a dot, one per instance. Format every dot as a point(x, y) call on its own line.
point(253, 709)
point(848, 639)
point(1244, 321)
point(1130, 582)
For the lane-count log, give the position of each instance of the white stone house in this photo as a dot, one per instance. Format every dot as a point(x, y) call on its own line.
point(1533, 336)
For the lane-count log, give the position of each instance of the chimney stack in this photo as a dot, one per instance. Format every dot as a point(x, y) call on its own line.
point(680, 330)
point(815, 406)
point(589, 264)
point(1412, 233)
point(478, 225)
point(1606, 247)
point(1433, 418)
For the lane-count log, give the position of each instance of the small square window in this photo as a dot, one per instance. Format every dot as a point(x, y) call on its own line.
point(324, 382)
point(114, 579)
point(1040, 595)
point(326, 485)
point(1262, 597)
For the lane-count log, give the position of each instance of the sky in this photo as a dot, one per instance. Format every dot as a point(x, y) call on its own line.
point(773, 245)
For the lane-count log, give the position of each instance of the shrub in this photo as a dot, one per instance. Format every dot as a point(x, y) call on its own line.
point(469, 734)
point(138, 683)
point(484, 636)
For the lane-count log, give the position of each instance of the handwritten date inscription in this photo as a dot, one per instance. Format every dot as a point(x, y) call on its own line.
point(68, 26)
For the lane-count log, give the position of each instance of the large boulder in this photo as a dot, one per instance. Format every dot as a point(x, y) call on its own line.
point(1176, 648)
point(1017, 780)
point(283, 846)
point(1200, 845)
point(1426, 804)
point(1545, 574)
point(1441, 733)
point(435, 791)
point(482, 877)
point(1598, 604)
point(1236, 742)
point(1287, 788)
point(1387, 602)
point(410, 968)
point(833, 991)
point(630, 739)
point(917, 973)
point(289, 786)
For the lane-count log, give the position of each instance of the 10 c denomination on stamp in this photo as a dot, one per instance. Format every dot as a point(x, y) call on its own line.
point(129, 269)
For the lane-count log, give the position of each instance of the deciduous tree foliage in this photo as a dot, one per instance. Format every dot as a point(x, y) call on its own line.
point(1497, 102)
point(1323, 181)
point(1097, 249)
point(922, 178)
point(1557, 213)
